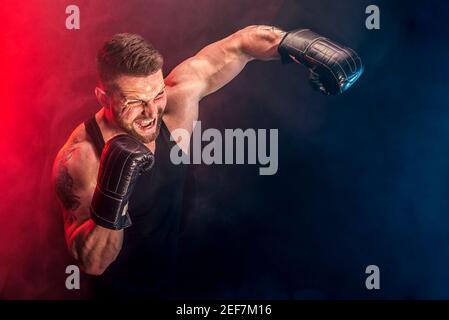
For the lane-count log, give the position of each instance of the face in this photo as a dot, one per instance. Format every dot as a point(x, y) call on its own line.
point(137, 105)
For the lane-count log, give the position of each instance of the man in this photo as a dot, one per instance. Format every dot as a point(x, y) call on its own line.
point(120, 193)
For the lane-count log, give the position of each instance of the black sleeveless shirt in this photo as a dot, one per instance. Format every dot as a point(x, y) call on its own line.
point(144, 267)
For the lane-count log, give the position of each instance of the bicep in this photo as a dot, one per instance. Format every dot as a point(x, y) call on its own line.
point(211, 68)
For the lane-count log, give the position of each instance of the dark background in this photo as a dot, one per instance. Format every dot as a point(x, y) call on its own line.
point(363, 177)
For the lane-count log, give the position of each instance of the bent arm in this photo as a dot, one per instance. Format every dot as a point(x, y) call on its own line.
point(93, 246)
point(218, 63)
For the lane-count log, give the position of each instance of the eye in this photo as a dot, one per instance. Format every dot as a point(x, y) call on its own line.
point(160, 95)
point(134, 103)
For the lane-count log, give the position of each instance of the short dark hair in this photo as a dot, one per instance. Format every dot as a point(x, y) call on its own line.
point(127, 54)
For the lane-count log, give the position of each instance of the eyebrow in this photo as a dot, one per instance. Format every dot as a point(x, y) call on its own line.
point(133, 97)
point(163, 88)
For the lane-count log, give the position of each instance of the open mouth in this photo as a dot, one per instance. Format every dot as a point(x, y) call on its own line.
point(145, 124)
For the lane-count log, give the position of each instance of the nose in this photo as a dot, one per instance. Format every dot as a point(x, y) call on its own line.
point(150, 110)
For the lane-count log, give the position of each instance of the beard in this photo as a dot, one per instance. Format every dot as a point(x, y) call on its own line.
point(130, 129)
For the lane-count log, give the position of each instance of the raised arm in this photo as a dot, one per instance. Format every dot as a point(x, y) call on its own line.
point(218, 63)
point(333, 67)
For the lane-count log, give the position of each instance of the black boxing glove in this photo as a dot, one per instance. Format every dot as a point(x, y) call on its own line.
point(123, 159)
point(333, 67)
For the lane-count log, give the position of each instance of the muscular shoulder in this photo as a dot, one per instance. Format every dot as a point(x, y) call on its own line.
point(181, 111)
point(184, 83)
point(75, 169)
point(182, 102)
point(79, 149)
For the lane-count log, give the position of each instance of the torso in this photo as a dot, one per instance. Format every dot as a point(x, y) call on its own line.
point(145, 263)
point(155, 205)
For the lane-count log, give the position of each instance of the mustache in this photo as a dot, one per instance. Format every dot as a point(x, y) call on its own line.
point(158, 116)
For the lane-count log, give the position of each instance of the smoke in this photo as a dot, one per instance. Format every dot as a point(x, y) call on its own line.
point(362, 177)
point(48, 90)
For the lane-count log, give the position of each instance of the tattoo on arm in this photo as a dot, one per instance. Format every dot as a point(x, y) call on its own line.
point(64, 184)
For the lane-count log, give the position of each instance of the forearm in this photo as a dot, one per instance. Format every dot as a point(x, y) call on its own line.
point(94, 247)
point(218, 63)
point(260, 42)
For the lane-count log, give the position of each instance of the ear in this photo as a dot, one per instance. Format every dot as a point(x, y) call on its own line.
point(101, 97)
